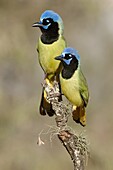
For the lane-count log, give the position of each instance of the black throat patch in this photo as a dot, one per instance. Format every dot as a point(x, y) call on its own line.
point(50, 35)
point(68, 70)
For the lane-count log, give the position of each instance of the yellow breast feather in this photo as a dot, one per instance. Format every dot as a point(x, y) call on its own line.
point(47, 53)
point(70, 87)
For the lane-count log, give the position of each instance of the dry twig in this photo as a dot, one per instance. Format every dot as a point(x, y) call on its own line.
point(74, 144)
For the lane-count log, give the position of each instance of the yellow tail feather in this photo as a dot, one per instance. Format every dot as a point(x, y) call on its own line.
point(79, 115)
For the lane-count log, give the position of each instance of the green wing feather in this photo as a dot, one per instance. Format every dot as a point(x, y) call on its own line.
point(83, 88)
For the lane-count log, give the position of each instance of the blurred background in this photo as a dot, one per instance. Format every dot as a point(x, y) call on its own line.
point(89, 29)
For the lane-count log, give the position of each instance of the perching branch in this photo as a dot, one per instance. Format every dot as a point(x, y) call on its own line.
point(74, 144)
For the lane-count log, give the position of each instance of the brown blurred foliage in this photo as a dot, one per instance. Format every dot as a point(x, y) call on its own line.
point(89, 29)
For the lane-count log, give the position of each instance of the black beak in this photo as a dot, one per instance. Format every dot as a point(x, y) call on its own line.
point(59, 58)
point(37, 24)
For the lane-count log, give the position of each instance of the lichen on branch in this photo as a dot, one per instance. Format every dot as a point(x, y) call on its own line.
point(75, 145)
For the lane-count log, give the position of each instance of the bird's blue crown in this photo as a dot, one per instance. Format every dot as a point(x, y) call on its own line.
point(50, 14)
point(72, 51)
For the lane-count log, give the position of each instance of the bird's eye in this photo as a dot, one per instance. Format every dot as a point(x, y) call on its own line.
point(68, 56)
point(46, 21)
